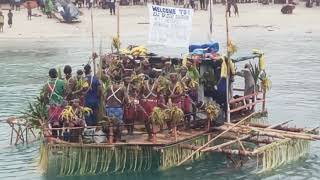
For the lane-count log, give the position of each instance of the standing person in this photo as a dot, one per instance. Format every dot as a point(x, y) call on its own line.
point(236, 9)
point(29, 10)
point(192, 4)
point(202, 4)
point(17, 2)
point(229, 4)
point(207, 4)
point(90, 4)
point(11, 4)
point(53, 93)
point(1, 21)
point(10, 15)
point(48, 8)
point(249, 84)
point(114, 103)
point(149, 100)
point(112, 7)
point(71, 83)
point(248, 80)
point(92, 95)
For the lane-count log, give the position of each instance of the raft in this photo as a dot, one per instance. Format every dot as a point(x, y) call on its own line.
point(271, 146)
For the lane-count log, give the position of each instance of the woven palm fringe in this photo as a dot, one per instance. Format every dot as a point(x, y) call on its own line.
point(173, 155)
point(283, 152)
point(71, 161)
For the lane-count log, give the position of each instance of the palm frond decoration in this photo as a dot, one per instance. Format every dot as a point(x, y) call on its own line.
point(164, 84)
point(255, 72)
point(138, 80)
point(116, 42)
point(68, 114)
point(232, 48)
point(59, 73)
point(36, 112)
point(212, 110)
point(157, 116)
point(265, 82)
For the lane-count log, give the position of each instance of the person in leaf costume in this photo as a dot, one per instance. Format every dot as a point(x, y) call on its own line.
point(149, 100)
point(131, 106)
point(70, 83)
point(54, 91)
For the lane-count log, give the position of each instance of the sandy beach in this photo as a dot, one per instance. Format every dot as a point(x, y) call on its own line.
point(134, 19)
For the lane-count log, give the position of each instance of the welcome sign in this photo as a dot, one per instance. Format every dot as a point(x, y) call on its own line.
point(170, 26)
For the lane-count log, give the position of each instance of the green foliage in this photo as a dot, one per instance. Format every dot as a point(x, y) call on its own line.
point(255, 72)
point(36, 112)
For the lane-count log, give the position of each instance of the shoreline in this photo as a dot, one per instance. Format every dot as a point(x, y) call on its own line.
point(134, 22)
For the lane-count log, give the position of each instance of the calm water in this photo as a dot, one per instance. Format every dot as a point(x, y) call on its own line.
point(293, 64)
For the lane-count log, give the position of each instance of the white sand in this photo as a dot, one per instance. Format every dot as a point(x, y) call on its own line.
point(105, 25)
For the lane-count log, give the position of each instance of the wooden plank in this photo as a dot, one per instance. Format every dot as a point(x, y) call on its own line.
point(246, 106)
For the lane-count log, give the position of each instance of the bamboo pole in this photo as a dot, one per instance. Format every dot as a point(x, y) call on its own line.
point(215, 138)
point(271, 132)
point(226, 143)
point(118, 19)
point(211, 18)
point(234, 141)
point(272, 126)
point(259, 141)
point(92, 39)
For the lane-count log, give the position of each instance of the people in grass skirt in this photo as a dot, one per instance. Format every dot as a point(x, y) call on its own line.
point(135, 87)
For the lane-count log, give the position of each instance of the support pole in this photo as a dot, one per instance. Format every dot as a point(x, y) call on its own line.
point(118, 19)
point(11, 138)
point(211, 18)
point(264, 102)
point(92, 39)
point(118, 26)
point(228, 57)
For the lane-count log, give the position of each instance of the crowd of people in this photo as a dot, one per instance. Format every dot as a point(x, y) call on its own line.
point(129, 89)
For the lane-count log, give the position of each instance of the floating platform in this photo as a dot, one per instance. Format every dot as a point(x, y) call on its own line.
point(271, 146)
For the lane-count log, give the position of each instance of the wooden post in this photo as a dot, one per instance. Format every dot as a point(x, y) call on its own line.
point(26, 134)
point(11, 138)
point(175, 132)
point(264, 102)
point(110, 134)
point(154, 135)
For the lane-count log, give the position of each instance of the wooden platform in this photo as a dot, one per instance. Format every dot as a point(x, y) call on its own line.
point(140, 138)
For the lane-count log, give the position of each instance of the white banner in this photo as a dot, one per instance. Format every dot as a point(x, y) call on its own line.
point(170, 26)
